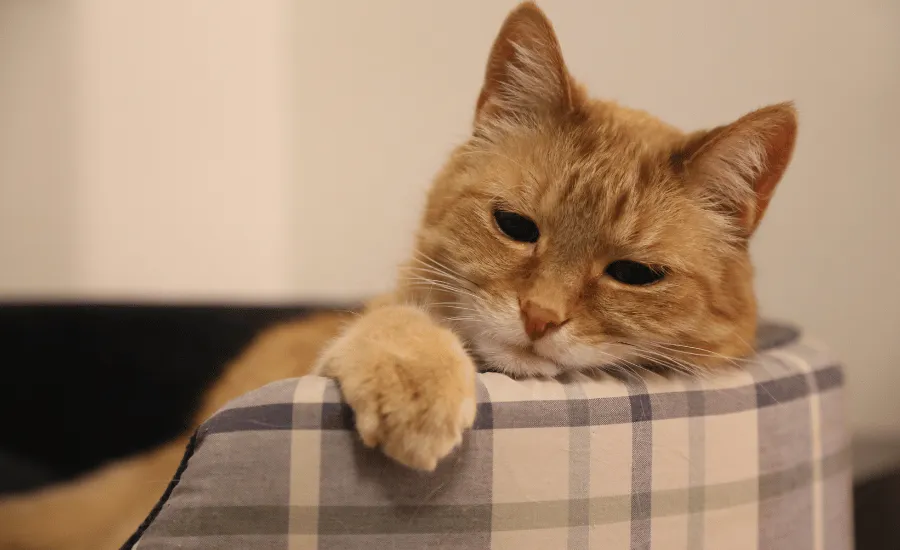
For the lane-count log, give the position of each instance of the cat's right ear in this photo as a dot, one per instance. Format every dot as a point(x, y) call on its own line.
point(737, 167)
point(525, 72)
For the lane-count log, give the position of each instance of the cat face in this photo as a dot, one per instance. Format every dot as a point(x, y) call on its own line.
point(571, 233)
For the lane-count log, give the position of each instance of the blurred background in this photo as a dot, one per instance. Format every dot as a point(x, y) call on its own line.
point(277, 151)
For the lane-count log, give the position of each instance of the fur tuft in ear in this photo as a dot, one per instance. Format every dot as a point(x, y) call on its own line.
point(525, 72)
point(738, 166)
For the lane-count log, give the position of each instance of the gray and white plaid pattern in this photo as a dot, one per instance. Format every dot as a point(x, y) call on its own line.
point(751, 458)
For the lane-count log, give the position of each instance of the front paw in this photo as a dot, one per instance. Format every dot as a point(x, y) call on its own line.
point(409, 382)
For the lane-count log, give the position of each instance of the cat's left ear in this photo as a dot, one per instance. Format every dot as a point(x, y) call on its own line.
point(737, 167)
point(525, 73)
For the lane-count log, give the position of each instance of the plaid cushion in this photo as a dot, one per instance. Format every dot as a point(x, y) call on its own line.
point(756, 458)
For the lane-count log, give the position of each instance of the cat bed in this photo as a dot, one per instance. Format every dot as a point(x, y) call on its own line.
point(749, 458)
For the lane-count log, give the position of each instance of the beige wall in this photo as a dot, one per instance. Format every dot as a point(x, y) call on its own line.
point(145, 148)
point(184, 156)
point(37, 238)
point(190, 182)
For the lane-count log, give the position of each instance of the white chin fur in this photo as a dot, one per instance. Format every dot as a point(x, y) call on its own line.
point(552, 355)
point(499, 339)
point(506, 359)
point(573, 355)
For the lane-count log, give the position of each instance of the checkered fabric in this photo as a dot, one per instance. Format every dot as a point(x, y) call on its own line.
point(755, 458)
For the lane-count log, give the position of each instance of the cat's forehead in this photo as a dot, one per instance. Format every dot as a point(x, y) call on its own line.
point(608, 144)
point(582, 168)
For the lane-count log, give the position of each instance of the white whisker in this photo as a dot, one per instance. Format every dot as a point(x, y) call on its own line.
point(449, 287)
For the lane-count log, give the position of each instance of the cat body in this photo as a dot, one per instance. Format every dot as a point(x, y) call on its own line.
point(566, 234)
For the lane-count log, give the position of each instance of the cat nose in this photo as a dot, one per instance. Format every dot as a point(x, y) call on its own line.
point(539, 319)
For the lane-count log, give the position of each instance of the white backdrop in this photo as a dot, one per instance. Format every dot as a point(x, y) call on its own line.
point(280, 150)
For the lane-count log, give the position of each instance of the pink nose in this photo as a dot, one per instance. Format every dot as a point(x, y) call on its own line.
point(540, 320)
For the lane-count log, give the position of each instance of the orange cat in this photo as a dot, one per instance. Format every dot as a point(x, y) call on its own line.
point(566, 234)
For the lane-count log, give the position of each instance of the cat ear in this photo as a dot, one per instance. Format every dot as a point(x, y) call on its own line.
point(736, 167)
point(525, 71)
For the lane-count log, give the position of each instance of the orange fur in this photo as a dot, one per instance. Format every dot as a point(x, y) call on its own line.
point(602, 183)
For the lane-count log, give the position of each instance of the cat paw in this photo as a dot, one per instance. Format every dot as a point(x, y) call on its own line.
point(409, 381)
point(415, 428)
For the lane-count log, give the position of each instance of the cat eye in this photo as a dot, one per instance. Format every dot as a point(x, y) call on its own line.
point(517, 227)
point(634, 273)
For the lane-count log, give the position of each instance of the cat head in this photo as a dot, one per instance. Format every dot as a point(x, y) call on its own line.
point(572, 233)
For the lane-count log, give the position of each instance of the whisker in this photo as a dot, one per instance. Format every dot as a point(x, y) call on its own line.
point(459, 308)
point(462, 318)
point(674, 348)
point(427, 260)
point(659, 355)
point(670, 362)
point(454, 305)
point(705, 352)
point(621, 360)
point(444, 277)
point(666, 360)
point(424, 281)
point(435, 271)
